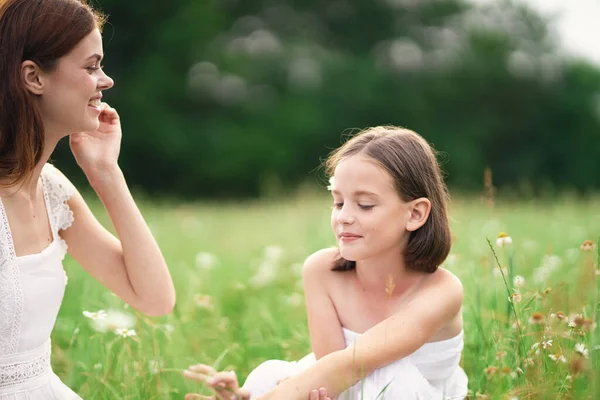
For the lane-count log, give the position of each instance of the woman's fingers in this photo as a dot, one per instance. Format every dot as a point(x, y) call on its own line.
point(203, 369)
point(202, 378)
point(194, 396)
point(225, 379)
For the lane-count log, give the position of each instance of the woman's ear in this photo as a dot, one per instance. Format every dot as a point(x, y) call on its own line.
point(31, 77)
point(419, 212)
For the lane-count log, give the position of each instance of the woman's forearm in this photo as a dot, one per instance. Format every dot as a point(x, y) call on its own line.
point(144, 262)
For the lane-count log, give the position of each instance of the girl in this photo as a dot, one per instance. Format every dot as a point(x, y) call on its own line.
point(385, 321)
point(51, 85)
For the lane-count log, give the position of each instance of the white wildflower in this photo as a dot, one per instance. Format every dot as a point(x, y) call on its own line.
point(113, 320)
point(294, 300)
point(100, 314)
point(155, 366)
point(124, 332)
point(580, 349)
point(503, 240)
point(204, 301)
point(206, 260)
point(515, 298)
point(546, 344)
point(557, 358)
point(97, 366)
point(273, 253)
point(519, 281)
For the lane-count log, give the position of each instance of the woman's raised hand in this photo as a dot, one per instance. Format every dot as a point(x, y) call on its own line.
point(98, 151)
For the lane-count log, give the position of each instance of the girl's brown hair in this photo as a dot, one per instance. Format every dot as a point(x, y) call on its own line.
point(412, 164)
point(41, 31)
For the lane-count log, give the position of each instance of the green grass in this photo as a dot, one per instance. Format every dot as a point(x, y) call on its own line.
point(241, 324)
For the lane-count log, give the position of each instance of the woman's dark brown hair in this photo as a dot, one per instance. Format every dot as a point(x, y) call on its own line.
point(412, 164)
point(41, 31)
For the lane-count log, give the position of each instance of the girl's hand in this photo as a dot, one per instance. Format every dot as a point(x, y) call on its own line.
point(98, 151)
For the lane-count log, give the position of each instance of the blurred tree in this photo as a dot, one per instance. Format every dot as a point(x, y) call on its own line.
point(227, 97)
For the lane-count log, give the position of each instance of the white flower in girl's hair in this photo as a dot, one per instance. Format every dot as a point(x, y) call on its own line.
point(503, 239)
point(331, 185)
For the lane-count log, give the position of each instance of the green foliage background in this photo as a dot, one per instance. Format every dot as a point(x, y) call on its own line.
point(235, 98)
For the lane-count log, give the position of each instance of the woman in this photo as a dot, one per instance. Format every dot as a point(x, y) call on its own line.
point(51, 85)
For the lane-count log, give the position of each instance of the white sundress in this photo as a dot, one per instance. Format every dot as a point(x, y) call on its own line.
point(31, 292)
point(431, 372)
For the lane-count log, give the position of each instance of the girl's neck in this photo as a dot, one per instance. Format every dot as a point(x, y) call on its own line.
point(386, 274)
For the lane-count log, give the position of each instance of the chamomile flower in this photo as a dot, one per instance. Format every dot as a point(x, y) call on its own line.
point(557, 358)
point(124, 332)
point(100, 314)
point(580, 349)
point(503, 239)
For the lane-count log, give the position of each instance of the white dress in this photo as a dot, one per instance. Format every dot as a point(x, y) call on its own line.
point(31, 292)
point(431, 372)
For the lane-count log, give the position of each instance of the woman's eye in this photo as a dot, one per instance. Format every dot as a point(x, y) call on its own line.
point(94, 68)
point(365, 207)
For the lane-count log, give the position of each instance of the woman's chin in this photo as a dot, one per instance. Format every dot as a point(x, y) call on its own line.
point(90, 126)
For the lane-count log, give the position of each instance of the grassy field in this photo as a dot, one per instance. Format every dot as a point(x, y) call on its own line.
point(237, 271)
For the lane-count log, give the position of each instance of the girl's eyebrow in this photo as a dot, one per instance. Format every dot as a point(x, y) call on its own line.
point(358, 193)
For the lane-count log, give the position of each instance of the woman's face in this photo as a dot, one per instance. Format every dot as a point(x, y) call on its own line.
point(70, 101)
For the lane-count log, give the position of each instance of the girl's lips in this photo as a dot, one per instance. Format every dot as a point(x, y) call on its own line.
point(348, 237)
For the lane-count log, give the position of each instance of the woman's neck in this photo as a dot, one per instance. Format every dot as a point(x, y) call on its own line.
point(28, 186)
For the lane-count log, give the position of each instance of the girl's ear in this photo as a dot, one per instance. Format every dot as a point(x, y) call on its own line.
point(419, 212)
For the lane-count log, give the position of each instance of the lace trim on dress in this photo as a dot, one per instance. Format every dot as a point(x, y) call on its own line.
point(57, 190)
point(17, 373)
point(11, 295)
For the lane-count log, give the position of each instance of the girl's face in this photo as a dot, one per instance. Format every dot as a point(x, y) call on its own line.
point(70, 101)
point(368, 217)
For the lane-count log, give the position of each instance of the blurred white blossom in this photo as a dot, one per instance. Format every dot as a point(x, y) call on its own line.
point(580, 349)
point(205, 260)
point(100, 314)
point(503, 240)
point(124, 332)
point(113, 320)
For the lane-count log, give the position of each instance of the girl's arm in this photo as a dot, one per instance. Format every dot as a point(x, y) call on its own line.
point(393, 339)
point(324, 326)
